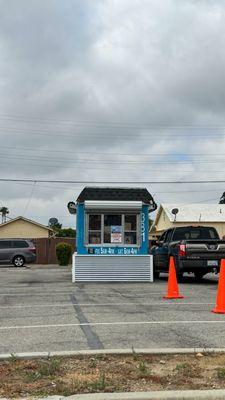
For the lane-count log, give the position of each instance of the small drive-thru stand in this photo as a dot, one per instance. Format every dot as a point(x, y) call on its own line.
point(112, 227)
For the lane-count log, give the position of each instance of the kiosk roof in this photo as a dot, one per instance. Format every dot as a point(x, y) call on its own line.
point(116, 194)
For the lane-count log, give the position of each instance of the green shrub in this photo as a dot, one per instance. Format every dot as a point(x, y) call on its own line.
point(63, 253)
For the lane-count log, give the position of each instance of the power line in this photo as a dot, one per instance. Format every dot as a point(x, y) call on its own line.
point(112, 154)
point(83, 135)
point(86, 182)
point(70, 161)
point(87, 167)
point(116, 124)
point(29, 184)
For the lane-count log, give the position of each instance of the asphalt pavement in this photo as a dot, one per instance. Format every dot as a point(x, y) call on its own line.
point(41, 310)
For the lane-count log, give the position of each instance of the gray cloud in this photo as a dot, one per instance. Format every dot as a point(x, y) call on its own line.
point(81, 79)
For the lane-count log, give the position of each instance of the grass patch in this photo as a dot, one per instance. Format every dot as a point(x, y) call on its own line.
point(99, 384)
point(142, 367)
point(135, 355)
point(47, 368)
point(221, 373)
point(187, 370)
point(181, 367)
point(13, 358)
point(93, 363)
point(65, 376)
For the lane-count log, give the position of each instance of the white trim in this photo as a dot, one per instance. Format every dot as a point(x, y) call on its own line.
point(73, 268)
point(114, 255)
point(116, 205)
point(151, 267)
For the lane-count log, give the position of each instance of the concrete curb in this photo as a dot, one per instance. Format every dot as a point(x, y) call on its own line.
point(167, 395)
point(45, 354)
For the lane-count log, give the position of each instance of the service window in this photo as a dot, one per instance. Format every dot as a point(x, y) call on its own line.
point(130, 229)
point(113, 232)
point(112, 229)
point(94, 229)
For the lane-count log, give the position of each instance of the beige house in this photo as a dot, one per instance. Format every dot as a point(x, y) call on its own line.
point(21, 227)
point(189, 214)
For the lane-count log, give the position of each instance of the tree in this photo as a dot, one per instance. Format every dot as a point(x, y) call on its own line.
point(54, 224)
point(59, 231)
point(4, 211)
point(66, 232)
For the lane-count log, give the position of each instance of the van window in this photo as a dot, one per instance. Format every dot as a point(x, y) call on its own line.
point(5, 244)
point(19, 244)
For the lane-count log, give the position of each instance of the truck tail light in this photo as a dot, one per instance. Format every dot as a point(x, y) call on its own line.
point(182, 250)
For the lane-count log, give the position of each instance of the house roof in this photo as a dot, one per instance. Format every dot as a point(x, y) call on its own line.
point(27, 220)
point(117, 194)
point(194, 212)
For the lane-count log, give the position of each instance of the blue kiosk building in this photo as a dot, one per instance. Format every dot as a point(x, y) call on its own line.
point(112, 227)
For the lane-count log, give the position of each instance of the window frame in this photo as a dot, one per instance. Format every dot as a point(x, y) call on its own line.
point(108, 212)
point(87, 230)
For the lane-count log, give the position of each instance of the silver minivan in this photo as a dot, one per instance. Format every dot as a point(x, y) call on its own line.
point(17, 252)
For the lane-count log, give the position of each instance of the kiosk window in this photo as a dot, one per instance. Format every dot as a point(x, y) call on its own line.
point(94, 229)
point(130, 229)
point(113, 228)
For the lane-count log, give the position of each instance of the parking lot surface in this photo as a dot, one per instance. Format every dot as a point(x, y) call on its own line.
point(41, 310)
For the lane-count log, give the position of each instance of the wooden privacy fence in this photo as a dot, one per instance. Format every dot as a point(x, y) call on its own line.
point(45, 249)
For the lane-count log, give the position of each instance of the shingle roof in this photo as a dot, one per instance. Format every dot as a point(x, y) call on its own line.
point(196, 212)
point(117, 194)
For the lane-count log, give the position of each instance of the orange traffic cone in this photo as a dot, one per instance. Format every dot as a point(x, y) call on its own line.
point(172, 287)
point(220, 299)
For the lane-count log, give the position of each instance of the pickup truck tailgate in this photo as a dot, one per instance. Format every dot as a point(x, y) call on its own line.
point(208, 250)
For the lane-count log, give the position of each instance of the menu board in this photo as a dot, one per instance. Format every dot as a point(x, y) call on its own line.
point(116, 234)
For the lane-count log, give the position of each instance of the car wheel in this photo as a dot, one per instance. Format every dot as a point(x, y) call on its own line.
point(18, 261)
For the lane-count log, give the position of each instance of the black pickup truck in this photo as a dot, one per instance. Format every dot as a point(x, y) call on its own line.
point(196, 249)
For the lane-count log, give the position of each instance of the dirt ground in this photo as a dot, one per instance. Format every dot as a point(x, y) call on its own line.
point(110, 373)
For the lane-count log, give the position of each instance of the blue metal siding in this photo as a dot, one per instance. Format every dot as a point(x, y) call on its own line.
point(144, 230)
point(81, 249)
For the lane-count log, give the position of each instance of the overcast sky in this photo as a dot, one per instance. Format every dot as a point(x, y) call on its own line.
point(110, 90)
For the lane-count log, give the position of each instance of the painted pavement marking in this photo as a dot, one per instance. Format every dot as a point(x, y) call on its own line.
point(2, 328)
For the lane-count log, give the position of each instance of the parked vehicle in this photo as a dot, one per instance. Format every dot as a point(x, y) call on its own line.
point(17, 252)
point(196, 249)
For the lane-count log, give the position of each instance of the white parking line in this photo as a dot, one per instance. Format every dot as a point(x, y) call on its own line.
point(162, 303)
point(2, 328)
point(38, 293)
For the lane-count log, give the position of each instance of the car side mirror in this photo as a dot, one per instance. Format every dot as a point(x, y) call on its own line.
point(159, 243)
